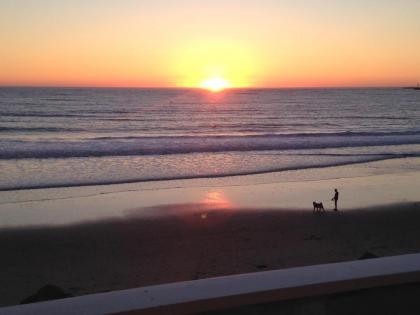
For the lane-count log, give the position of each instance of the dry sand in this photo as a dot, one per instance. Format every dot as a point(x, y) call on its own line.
point(197, 242)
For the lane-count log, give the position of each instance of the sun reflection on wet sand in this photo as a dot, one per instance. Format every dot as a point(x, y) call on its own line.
point(217, 199)
point(214, 209)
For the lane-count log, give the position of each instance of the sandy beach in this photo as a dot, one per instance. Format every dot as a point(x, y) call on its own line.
point(120, 254)
point(194, 240)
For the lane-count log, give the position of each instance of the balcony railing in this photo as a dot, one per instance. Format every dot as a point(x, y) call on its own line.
point(221, 293)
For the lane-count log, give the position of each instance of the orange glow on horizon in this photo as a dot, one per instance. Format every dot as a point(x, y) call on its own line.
point(184, 43)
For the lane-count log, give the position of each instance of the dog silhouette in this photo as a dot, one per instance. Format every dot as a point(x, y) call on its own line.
point(318, 206)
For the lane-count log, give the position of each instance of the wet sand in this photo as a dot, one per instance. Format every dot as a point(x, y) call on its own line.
point(193, 241)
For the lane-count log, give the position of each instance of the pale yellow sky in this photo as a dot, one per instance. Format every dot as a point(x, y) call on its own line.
point(263, 43)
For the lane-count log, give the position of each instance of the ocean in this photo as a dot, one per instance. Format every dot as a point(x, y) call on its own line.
point(64, 137)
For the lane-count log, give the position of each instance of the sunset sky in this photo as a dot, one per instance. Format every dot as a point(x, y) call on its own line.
point(171, 43)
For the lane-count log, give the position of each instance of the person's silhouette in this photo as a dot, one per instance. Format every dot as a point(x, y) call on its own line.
point(335, 198)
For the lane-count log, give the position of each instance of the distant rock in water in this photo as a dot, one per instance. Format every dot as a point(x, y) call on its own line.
point(367, 255)
point(46, 293)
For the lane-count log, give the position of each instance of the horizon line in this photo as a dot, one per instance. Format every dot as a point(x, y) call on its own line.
point(200, 88)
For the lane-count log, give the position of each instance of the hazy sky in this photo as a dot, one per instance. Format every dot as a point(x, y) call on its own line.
point(183, 42)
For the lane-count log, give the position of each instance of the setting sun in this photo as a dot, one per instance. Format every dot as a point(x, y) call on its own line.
point(214, 63)
point(215, 84)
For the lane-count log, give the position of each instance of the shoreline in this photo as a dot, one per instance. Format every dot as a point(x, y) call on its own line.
point(204, 177)
point(370, 184)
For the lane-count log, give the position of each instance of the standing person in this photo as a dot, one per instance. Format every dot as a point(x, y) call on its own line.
point(335, 198)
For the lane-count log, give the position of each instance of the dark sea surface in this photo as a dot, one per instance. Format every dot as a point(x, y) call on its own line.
point(59, 137)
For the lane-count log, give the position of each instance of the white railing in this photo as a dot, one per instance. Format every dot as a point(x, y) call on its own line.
point(237, 290)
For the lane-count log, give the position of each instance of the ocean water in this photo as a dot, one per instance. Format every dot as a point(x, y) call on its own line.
point(52, 137)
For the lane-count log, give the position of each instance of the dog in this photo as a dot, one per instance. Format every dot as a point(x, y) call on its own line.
point(318, 206)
